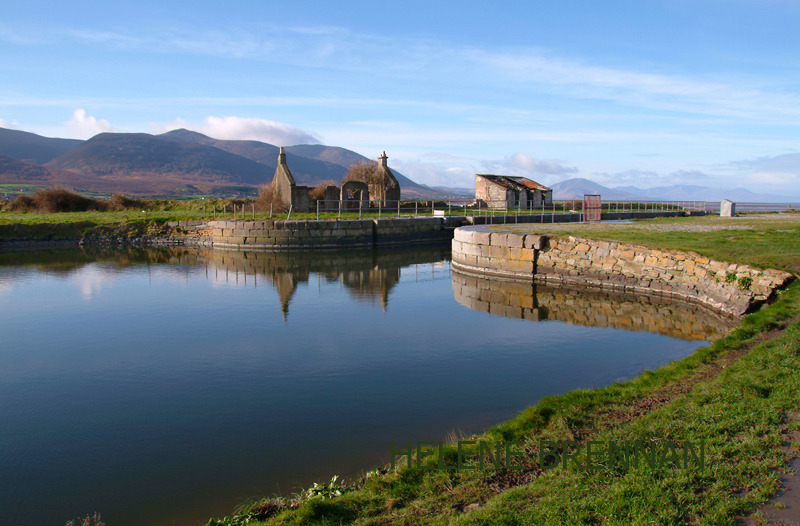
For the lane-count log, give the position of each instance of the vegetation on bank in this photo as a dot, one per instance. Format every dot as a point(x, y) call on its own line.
point(739, 397)
point(58, 213)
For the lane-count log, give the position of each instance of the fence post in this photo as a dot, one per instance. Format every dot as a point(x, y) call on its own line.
point(398, 208)
point(317, 210)
point(416, 208)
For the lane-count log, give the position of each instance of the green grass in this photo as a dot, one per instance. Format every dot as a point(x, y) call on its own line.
point(740, 414)
point(765, 241)
point(35, 225)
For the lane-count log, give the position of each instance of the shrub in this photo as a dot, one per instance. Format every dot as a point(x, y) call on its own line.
point(89, 520)
point(21, 203)
point(268, 200)
point(120, 202)
point(60, 199)
point(56, 199)
point(318, 192)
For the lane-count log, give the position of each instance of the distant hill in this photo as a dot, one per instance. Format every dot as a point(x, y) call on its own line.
point(174, 163)
point(576, 188)
point(310, 163)
point(704, 193)
point(456, 192)
point(142, 163)
point(14, 171)
point(32, 148)
point(306, 171)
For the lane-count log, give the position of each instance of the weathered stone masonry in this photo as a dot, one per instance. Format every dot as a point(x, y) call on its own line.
point(728, 288)
point(322, 234)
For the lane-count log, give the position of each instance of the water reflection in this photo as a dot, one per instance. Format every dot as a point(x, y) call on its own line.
point(367, 275)
point(590, 307)
point(162, 387)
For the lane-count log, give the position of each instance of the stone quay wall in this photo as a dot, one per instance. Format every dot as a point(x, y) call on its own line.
point(281, 235)
point(728, 288)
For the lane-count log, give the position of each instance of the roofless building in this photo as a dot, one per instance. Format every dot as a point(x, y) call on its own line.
point(505, 191)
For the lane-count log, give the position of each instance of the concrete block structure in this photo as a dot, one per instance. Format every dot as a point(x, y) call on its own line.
point(727, 208)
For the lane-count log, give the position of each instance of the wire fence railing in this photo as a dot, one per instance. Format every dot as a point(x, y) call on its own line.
point(546, 212)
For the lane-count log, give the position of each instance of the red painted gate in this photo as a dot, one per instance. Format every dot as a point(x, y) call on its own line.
point(592, 207)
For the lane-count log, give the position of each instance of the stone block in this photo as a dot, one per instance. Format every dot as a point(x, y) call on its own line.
point(727, 208)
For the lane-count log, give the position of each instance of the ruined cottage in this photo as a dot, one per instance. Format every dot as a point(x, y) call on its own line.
point(381, 189)
point(505, 191)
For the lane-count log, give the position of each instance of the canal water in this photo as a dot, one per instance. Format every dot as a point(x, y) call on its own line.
point(164, 387)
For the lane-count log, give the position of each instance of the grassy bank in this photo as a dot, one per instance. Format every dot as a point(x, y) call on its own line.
point(737, 397)
point(36, 225)
point(763, 240)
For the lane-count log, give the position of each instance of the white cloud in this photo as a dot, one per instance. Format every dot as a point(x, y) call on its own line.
point(525, 162)
point(658, 91)
point(439, 169)
point(244, 128)
point(786, 163)
point(455, 173)
point(82, 126)
point(9, 125)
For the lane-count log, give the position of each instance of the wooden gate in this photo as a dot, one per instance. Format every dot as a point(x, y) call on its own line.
point(592, 207)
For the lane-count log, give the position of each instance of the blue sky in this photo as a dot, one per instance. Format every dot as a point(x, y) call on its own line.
point(621, 92)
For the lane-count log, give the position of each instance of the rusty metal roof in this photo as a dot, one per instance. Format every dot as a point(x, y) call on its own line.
point(515, 183)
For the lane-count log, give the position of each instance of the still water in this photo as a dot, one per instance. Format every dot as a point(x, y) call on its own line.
point(166, 386)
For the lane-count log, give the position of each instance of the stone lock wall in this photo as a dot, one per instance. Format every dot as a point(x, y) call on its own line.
point(729, 288)
point(325, 234)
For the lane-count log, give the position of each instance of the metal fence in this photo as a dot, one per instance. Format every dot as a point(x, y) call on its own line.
point(336, 209)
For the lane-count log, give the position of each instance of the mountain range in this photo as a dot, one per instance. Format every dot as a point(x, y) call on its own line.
point(173, 163)
point(576, 188)
point(183, 162)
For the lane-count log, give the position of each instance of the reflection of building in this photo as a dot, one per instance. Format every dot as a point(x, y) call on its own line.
point(372, 285)
point(590, 307)
point(504, 191)
point(368, 275)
